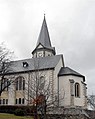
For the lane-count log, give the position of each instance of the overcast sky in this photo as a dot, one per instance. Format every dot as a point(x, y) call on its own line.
point(71, 25)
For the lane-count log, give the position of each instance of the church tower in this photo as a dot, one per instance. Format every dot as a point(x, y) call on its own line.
point(43, 47)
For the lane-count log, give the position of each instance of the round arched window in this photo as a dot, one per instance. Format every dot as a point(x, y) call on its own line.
point(77, 90)
point(42, 82)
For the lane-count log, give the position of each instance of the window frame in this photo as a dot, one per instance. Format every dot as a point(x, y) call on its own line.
point(20, 83)
point(77, 90)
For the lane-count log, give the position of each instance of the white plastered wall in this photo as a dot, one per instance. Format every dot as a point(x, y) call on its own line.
point(56, 71)
point(12, 94)
point(65, 83)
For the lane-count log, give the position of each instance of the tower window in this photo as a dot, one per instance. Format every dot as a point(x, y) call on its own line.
point(40, 54)
point(77, 90)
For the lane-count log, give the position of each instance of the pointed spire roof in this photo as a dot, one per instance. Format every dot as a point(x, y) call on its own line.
point(44, 38)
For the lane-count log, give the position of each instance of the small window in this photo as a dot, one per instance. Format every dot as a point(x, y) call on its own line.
point(40, 54)
point(3, 101)
point(48, 54)
point(77, 90)
point(23, 101)
point(25, 64)
point(16, 101)
point(19, 100)
point(6, 101)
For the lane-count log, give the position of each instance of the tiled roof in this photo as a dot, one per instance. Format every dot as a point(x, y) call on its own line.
point(34, 64)
point(44, 38)
point(68, 71)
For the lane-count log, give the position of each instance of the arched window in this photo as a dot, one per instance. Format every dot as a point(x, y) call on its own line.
point(41, 82)
point(4, 84)
point(77, 90)
point(20, 83)
point(42, 79)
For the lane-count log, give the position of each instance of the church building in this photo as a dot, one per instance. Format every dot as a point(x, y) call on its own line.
point(48, 66)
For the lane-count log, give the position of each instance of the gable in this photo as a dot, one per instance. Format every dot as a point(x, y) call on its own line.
point(40, 46)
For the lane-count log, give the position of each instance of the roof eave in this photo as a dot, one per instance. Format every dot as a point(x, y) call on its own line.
point(72, 75)
point(16, 72)
point(53, 51)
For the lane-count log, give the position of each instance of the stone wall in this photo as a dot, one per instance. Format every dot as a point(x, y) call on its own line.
point(91, 113)
point(66, 117)
point(67, 113)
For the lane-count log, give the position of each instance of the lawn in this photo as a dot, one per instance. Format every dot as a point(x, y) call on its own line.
point(12, 116)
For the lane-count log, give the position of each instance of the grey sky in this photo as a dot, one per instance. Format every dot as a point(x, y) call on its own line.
point(71, 25)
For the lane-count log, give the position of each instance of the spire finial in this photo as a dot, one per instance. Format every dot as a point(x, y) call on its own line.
point(44, 14)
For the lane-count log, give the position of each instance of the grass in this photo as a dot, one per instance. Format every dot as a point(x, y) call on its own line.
point(12, 116)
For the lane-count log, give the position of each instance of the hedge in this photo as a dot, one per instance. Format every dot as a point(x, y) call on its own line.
point(11, 109)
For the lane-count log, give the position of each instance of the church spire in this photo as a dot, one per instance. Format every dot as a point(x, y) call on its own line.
point(43, 46)
point(44, 38)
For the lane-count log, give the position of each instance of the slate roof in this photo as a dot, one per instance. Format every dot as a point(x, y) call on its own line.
point(44, 38)
point(68, 71)
point(48, 62)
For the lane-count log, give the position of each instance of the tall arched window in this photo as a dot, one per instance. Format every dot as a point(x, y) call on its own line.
point(77, 90)
point(41, 82)
point(20, 83)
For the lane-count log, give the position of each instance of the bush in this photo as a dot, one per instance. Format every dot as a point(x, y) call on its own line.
point(19, 112)
point(28, 110)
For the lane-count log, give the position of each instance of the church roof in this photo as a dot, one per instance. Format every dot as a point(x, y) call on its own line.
point(32, 64)
point(44, 38)
point(68, 71)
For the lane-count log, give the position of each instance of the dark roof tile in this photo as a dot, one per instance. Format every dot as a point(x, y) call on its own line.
point(35, 64)
point(68, 71)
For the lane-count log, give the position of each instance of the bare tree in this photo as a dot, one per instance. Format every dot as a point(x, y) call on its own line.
point(40, 92)
point(91, 101)
point(5, 62)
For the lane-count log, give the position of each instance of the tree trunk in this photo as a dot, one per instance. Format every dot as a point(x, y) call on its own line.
point(36, 113)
